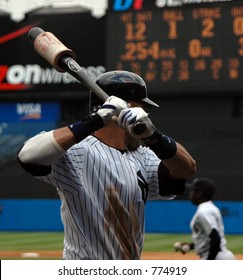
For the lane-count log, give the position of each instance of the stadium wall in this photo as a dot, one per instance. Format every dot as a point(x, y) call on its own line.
point(161, 217)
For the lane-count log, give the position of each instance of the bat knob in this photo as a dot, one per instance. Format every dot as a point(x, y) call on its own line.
point(139, 128)
point(33, 33)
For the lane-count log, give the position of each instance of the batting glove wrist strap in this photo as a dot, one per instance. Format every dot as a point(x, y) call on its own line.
point(88, 125)
point(111, 108)
point(163, 145)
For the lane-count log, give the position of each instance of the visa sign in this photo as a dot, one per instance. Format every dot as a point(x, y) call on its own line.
point(45, 112)
point(27, 111)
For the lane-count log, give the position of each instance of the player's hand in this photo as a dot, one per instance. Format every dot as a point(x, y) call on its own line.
point(129, 117)
point(182, 247)
point(112, 107)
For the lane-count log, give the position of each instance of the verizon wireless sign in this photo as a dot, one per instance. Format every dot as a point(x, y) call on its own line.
point(22, 70)
point(25, 77)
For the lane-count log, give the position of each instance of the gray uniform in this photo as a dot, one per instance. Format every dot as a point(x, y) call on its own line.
point(207, 218)
point(103, 193)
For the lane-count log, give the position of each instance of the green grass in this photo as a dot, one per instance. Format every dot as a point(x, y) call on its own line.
point(33, 241)
point(163, 242)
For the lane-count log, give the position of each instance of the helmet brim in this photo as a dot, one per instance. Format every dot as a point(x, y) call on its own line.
point(149, 103)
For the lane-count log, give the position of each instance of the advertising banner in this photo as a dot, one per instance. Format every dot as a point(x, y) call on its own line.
point(22, 70)
point(29, 112)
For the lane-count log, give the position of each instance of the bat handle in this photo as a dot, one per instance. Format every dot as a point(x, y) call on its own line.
point(138, 127)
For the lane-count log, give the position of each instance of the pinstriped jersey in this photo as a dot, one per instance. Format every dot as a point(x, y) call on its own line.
point(103, 193)
point(206, 218)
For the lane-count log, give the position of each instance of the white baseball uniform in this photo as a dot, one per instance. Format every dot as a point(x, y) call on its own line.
point(207, 218)
point(103, 193)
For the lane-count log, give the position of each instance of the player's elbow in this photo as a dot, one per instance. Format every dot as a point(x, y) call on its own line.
point(24, 155)
point(192, 168)
point(185, 170)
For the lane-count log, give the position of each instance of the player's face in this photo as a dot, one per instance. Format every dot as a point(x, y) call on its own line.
point(135, 104)
point(195, 196)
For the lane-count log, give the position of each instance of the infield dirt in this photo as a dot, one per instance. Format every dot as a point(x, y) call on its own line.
point(145, 256)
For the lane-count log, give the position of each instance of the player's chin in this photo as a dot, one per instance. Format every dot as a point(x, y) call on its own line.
point(132, 142)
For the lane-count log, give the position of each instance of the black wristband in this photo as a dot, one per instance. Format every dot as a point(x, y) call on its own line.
point(163, 145)
point(86, 126)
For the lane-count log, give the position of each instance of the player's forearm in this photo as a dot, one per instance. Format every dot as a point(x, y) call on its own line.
point(181, 165)
point(214, 245)
point(174, 155)
point(64, 137)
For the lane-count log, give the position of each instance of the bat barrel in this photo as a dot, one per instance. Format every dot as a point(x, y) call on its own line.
point(33, 33)
point(49, 47)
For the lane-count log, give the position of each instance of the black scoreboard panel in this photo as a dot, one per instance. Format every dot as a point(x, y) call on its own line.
point(192, 48)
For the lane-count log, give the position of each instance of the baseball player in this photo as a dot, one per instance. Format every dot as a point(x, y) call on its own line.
point(103, 174)
point(206, 225)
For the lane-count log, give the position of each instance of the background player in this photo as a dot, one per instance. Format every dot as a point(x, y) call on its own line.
point(206, 225)
point(104, 176)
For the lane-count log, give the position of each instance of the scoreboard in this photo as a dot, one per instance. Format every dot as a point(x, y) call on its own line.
point(191, 48)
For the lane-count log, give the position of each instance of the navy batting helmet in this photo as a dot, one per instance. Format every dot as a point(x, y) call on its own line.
point(123, 84)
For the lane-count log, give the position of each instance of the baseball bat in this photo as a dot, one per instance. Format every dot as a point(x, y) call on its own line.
point(64, 60)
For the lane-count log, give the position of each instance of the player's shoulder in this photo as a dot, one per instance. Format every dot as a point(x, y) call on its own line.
point(206, 207)
point(88, 144)
point(144, 150)
point(141, 151)
point(144, 154)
